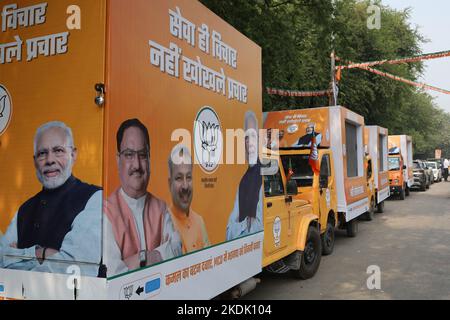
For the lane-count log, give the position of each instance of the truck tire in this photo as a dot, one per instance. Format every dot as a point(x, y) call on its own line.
point(402, 194)
point(423, 187)
point(370, 214)
point(327, 239)
point(352, 228)
point(311, 255)
point(380, 207)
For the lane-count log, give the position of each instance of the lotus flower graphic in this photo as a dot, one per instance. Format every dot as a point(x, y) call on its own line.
point(209, 135)
point(2, 105)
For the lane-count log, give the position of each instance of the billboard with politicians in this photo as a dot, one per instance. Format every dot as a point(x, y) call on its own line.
point(183, 196)
point(128, 149)
point(50, 156)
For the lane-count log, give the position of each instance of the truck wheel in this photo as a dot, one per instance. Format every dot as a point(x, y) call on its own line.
point(380, 207)
point(402, 194)
point(352, 228)
point(328, 240)
point(369, 214)
point(311, 255)
point(423, 187)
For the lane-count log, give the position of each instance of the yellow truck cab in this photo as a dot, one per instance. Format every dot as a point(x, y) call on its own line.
point(291, 240)
point(337, 192)
point(400, 165)
point(376, 146)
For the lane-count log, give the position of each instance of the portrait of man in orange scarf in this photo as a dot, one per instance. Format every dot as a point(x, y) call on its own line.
point(138, 230)
point(188, 223)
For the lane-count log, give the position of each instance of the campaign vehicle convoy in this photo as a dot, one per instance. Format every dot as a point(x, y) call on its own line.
point(400, 165)
point(376, 146)
point(321, 149)
point(135, 87)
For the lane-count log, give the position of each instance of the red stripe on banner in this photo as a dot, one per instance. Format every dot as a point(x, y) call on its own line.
point(422, 57)
point(397, 78)
point(295, 93)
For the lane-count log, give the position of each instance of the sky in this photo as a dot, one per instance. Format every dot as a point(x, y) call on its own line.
point(433, 21)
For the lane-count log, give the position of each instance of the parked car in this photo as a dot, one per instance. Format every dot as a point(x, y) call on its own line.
point(429, 172)
point(437, 173)
point(440, 164)
point(421, 178)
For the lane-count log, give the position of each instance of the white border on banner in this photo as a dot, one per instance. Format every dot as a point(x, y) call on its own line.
point(205, 284)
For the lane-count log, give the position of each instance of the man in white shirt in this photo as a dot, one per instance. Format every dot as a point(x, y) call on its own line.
point(446, 164)
point(139, 231)
point(61, 225)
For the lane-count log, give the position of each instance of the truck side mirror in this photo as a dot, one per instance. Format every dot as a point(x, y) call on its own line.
point(323, 182)
point(292, 188)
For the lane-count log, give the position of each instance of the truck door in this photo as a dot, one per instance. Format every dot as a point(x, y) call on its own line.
point(277, 224)
point(326, 189)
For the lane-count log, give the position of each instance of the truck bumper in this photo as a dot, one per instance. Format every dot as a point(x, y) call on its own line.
point(395, 189)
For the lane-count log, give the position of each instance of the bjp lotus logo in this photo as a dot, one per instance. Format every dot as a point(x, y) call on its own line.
point(5, 109)
point(208, 139)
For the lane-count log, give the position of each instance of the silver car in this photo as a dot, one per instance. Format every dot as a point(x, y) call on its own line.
point(437, 172)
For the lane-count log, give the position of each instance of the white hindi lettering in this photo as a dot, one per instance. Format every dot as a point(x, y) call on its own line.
point(47, 45)
point(195, 72)
point(182, 28)
point(168, 60)
point(25, 17)
point(237, 91)
point(10, 50)
point(203, 38)
point(222, 51)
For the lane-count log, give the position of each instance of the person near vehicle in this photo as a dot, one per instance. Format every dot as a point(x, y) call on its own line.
point(446, 164)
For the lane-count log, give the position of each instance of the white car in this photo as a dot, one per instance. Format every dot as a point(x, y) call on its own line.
point(437, 173)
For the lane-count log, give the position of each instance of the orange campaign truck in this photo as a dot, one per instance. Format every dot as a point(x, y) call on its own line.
point(129, 156)
point(400, 165)
point(338, 190)
point(376, 145)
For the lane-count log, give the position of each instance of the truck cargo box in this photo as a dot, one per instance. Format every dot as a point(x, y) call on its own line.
point(342, 131)
point(402, 144)
point(376, 145)
point(117, 72)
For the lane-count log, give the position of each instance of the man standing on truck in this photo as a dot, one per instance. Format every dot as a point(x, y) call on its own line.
point(60, 225)
point(188, 223)
point(139, 230)
point(246, 216)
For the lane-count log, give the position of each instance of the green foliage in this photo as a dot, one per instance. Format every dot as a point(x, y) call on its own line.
point(296, 39)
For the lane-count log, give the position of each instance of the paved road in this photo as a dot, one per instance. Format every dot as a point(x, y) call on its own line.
point(410, 242)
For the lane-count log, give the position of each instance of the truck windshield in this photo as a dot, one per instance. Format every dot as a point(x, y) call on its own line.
point(297, 166)
point(394, 163)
